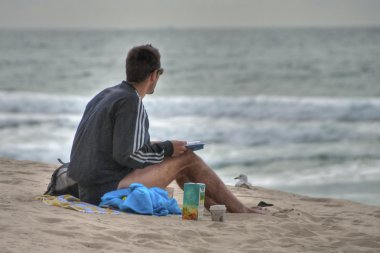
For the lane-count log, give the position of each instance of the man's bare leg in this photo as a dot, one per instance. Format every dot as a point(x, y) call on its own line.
point(216, 191)
point(208, 201)
point(181, 180)
point(187, 166)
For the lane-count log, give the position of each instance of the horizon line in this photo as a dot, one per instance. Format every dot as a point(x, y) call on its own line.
point(210, 27)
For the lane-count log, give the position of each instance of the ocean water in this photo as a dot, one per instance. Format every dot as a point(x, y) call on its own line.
point(294, 109)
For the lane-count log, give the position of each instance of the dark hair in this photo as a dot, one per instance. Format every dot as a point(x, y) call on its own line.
point(141, 61)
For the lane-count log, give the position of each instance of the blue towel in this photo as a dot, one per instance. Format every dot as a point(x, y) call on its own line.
point(142, 200)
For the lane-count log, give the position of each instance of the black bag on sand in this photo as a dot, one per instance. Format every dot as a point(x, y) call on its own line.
point(61, 183)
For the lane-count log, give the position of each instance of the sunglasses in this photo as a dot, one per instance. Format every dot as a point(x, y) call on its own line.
point(160, 71)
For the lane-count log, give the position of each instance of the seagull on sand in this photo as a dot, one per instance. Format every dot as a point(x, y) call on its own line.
point(243, 182)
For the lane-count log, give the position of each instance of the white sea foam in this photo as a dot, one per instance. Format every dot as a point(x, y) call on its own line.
point(33, 102)
point(239, 120)
point(253, 108)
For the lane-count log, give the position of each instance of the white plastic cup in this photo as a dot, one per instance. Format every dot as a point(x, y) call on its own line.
point(217, 212)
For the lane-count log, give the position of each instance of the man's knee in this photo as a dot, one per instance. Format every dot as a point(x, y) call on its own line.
point(192, 156)
point(191, 163)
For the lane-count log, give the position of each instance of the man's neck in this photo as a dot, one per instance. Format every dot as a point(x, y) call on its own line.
point(141, 88)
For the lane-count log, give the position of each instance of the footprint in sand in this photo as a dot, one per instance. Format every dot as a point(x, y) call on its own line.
point(319, 200)
point(148, 236)
point(333, 205)
point(123, 235)
point(93, 245)
point(149, 239)
point(107, 238)
point(375, 214)
point(309, 217)
point(72, 227)
point(25, 172)
point(49, 220)
point(298, 230)
point(357, 222)
point(283, 213)
point(7, 173)
point(70, 234)
point(366, 243)
point(11, 182)
point(6, 207)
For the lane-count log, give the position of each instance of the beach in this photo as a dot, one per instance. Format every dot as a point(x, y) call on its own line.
point(295, 223)
point(296, 110)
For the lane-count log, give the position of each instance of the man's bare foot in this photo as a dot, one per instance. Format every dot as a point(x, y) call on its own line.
point(258, 210)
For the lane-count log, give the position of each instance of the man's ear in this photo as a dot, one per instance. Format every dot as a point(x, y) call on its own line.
point(152, 76)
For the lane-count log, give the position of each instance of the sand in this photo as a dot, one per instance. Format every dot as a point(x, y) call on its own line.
point(295, 224)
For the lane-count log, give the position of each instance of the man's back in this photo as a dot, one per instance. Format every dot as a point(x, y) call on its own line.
point(93, 158)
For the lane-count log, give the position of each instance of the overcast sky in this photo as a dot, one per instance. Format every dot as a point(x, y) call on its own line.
point(186, 13)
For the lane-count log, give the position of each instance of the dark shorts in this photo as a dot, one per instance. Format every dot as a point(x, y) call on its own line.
point(92, 193)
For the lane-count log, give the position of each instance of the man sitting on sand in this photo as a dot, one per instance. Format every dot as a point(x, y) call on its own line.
point(112, 147)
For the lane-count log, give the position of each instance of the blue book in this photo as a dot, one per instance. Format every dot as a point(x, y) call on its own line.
point(195, 145)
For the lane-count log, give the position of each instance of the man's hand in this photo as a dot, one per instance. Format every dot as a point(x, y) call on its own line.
point(178, 147)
